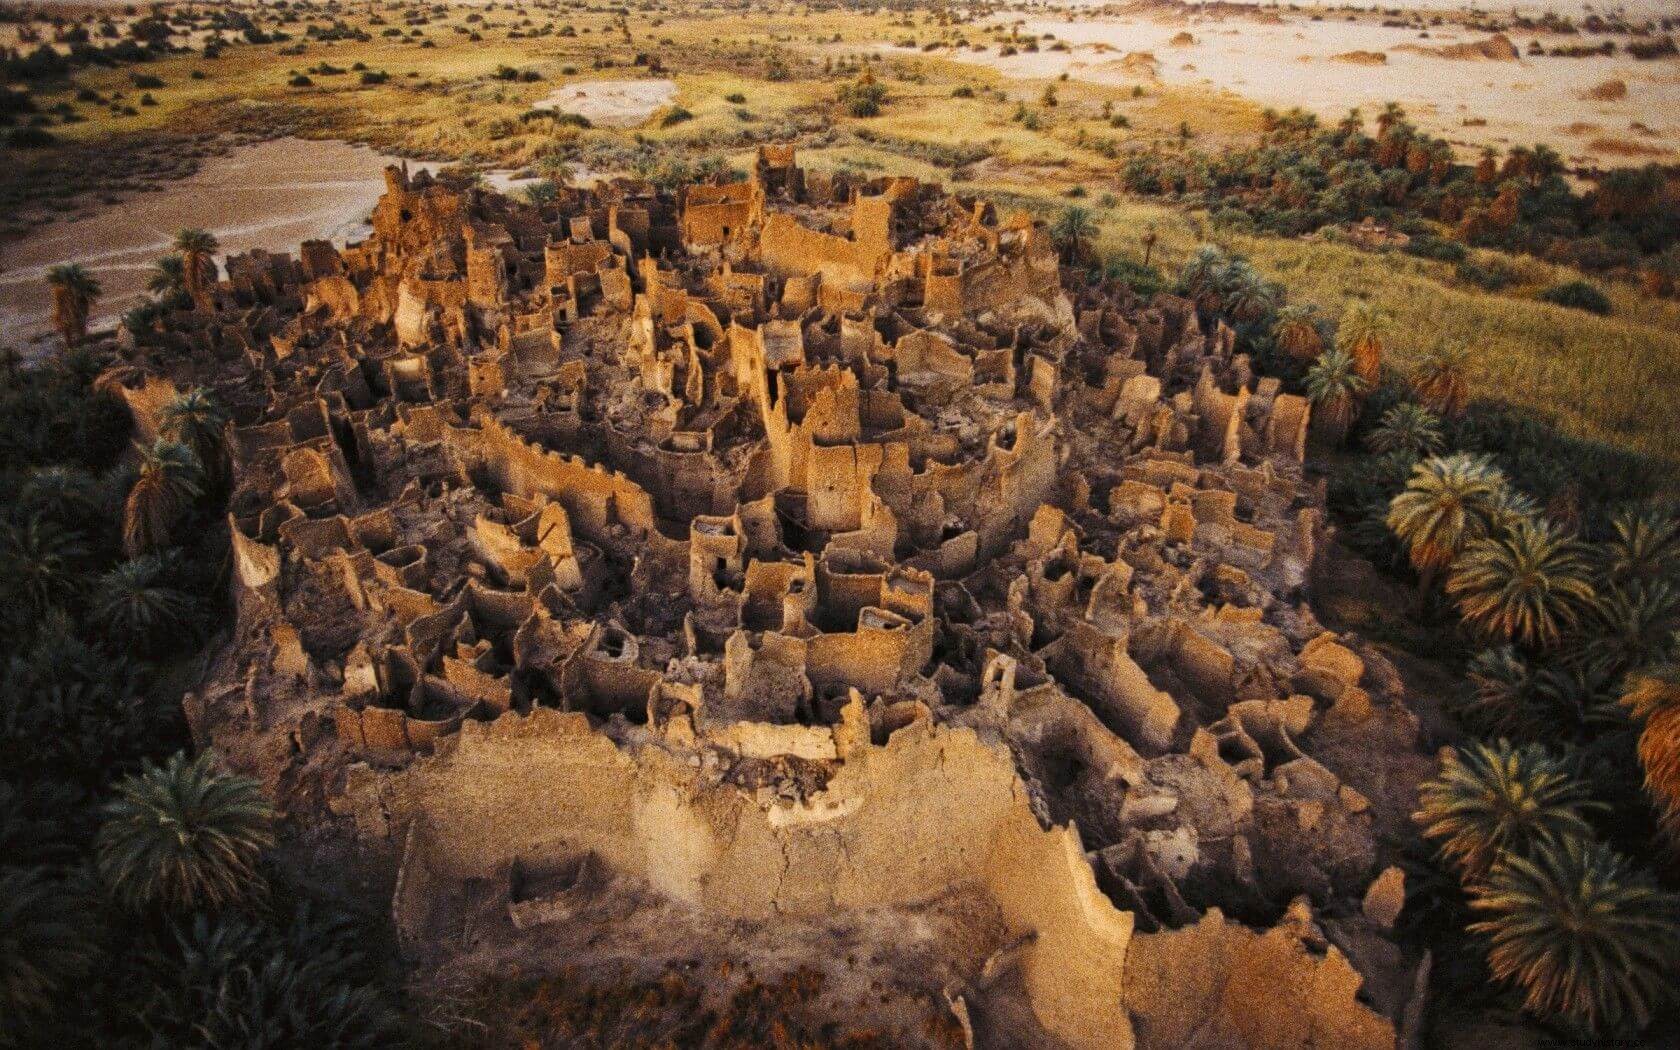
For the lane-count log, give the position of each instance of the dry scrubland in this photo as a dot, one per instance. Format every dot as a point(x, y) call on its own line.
point(1602, 378)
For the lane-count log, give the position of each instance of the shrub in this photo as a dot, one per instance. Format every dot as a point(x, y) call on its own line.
point(673, 116)
point(1578, 295)
point(300, 81)
point(372, 77)
point(1438, 248)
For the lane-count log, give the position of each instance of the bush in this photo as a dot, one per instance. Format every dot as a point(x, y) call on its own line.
point(735, 98)
point(1438, 248)
point(372, 77)
point(1578, 295)
point(674, 116)
point(300, 81)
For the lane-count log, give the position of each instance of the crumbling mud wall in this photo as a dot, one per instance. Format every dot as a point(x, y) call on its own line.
point(930, 812)
point(789, 551)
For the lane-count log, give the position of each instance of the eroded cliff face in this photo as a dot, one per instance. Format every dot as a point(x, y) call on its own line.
point(795, 568)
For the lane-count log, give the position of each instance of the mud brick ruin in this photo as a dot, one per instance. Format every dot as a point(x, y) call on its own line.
point(801, 554)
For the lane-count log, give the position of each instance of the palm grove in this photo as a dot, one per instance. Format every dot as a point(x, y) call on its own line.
point(120, 856)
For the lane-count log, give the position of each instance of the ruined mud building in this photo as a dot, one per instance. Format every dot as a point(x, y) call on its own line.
point(794, 547)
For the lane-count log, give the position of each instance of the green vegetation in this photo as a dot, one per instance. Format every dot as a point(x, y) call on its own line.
point(1590, 939)
point(114, 846)
point(182, 836)
point(1302, 176)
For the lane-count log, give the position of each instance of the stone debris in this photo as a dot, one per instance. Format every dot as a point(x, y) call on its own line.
point(782, 548)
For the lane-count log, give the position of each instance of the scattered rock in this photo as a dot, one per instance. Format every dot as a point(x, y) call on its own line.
point(1385, 898)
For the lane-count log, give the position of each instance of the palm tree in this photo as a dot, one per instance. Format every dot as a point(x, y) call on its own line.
point(1244, 294)
point(197, 420)
point(68, 497)
point(1644, 547)
point(1334, 388)
point(1439, 380)
point(170, 479)
point(47, 943)
point(1360, 333)
point(1296, 332)
point(1635, 626)
point(197, 249)
point(168, 276)
point(40, 564)
point(1071, 229)
point(1654, 699)
point(1502, 687)
point(1525, 585)
point(1496, 800)
point(138, 607)
point(1407, 428)
point(1199, 277)
point(1447, 503)
point(74, 291)
point(1589, 939)
point(184, 836)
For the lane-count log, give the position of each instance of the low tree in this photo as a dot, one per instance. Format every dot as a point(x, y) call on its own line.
point(1072, 228)
point(1527, 584)
point(1644, 547)
point(1439, 380)
point(48, 942)
point(41, 566)
point(1296, 332)
point(1360, 334)
point(74, 291)
point(197, 250)
point(1653, 697)
point(170, 479)
point(197, 420)
point(1334, 387)
point(183, 836)
point(1588, 939)
point(1408, 429)
point(168, 277)
point(1448, 503)
point(140, 608)
point(1489, 801)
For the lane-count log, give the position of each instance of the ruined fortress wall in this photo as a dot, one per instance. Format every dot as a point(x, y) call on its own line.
point(898, 825)
point(789, 248)
point(594, 498)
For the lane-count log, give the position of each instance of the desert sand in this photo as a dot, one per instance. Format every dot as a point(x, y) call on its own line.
point(612, 103)
point(1294, 62)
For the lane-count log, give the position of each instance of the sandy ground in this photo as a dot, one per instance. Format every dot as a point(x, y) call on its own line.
point(272, 195)
point(611, 103)
point(1292, 64)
